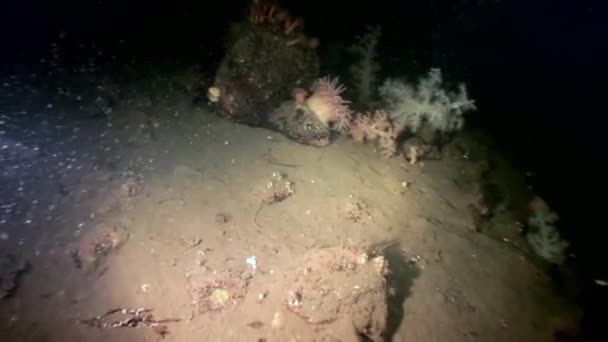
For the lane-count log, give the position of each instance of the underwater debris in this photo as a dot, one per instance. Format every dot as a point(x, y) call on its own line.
point(277, 190)
point(222, 218)
point(88, 254)
point(130, 318)
point(272, 160)
point(252, 262)
point(217, 291)
point(356, 210)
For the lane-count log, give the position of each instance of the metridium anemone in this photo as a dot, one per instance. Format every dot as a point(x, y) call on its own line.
point(327, 104)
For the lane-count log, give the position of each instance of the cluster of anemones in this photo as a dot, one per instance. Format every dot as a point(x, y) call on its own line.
point(267, 11)
point(328, 105)
point(270, 12)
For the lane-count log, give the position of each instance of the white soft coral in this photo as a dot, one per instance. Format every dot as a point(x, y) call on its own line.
point(410, 107)
point(544, 238)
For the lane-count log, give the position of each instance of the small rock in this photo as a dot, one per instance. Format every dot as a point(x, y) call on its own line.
point(222, 218)
point(256, 324)
point(362, 258)
point(278, 321)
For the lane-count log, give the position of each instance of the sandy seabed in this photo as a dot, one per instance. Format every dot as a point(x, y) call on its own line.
point(165, 206)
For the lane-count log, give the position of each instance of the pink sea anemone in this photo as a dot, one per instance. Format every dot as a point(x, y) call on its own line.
point(327, 103)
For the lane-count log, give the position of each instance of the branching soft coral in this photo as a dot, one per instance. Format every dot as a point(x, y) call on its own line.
point(544, 238)
point(376, 126)
point(410, 107)
point(364, 72)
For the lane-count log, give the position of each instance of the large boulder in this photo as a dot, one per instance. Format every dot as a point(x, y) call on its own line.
point(268, 57)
